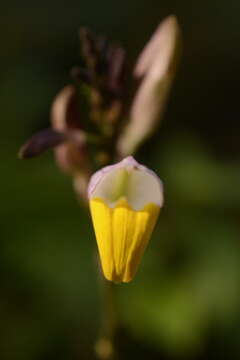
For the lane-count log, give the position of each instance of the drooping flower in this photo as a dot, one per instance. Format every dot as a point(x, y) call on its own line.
point(125, 200)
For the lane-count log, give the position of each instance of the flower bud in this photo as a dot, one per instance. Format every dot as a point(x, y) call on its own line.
point(125, 200)
point(71, 156)
point(65, 116)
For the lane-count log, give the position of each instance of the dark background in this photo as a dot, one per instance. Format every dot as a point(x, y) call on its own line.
point(184, 302)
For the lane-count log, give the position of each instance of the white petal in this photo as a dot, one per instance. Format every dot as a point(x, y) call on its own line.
point(160, 48)
point(127, 179)
point(157, 63)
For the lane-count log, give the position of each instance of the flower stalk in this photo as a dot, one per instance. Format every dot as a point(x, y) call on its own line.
point(105, 346)
point(91, 129)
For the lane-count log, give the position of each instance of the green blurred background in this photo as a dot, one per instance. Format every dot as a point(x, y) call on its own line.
point(184, 302)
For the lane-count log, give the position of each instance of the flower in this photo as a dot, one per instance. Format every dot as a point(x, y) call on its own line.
point(125, 200)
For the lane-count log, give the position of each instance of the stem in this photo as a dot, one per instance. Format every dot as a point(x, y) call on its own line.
point(105, 345)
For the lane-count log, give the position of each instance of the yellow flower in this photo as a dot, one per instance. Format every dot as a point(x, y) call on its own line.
point(125, 200)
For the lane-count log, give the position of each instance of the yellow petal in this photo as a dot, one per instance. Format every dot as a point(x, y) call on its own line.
point(122, 236)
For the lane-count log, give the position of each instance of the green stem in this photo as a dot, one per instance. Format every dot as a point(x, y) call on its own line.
point(105, 346)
